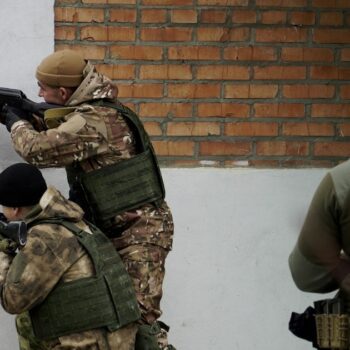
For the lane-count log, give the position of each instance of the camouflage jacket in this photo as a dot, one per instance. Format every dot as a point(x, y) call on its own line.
point(93, 136)
point(52, 254)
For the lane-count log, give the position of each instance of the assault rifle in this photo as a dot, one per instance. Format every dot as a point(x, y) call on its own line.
point(13, 234)
point(17, 99)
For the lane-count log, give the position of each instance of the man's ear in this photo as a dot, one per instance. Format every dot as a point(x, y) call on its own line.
point(64, 93)
point(17, 211)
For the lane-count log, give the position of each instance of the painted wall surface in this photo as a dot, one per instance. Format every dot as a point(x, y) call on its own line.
point(227, 284)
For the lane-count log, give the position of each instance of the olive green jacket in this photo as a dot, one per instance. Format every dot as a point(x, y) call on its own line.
point(319, 262)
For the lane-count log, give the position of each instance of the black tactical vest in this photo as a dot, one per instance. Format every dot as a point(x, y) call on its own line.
point(106, 300)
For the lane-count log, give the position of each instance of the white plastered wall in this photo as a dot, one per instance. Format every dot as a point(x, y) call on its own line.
point(227, 283)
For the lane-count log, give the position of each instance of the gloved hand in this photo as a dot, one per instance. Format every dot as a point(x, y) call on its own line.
point(7, 245)
point(10, 115)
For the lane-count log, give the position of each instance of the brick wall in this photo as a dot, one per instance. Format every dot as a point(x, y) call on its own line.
point(225, 82)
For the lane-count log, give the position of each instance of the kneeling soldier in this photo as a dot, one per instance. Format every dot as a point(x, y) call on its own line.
point(67, 283)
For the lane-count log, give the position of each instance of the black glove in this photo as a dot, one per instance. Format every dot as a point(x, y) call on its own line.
point(10, 115)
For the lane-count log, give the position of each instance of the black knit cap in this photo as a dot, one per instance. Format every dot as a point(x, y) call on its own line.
point(21, 185)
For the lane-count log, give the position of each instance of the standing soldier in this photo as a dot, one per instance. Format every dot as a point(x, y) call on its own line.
point(111, 168)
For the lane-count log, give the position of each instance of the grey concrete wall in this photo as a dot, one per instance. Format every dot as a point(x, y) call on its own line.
point(227, 284)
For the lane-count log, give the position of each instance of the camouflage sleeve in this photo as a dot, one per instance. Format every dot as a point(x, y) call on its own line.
point(35, 271)
point(316, 256)
point(5, 261)
point(71, 141)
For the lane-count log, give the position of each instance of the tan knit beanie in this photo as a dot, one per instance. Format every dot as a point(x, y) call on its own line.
point(61, 69)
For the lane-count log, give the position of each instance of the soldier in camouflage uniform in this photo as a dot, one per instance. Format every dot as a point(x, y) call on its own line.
point(94, 136)
point(52, 256)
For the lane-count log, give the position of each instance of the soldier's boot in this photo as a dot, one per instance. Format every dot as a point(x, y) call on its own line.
point(153, 337)
point(162, 336)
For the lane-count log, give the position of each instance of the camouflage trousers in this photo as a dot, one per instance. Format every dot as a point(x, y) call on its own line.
point(145, 265)
point(143, 247)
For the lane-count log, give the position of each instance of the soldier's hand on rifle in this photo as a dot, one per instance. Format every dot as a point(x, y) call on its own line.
point(7, 245)
point(11, 115)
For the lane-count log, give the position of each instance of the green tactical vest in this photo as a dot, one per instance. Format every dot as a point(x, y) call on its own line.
point(106, 300)
point(122, 186)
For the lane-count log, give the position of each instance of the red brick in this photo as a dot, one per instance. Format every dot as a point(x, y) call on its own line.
point(250, 53)
point(331, 36)
point(282, 3)
point(250, 91)
point(273, 17)
point(223, 72)
point(166, 34)
point(174, 72)
point(345, 55)
point(193, 129)
point(140, 90)
point(332, 149)
point(188, 163)
point(308, 91)
point(117, 71)
point(331, 3)
point(344, 129)
point(345, 92)
point(194, 53)
point(90, 52)
point(183, 16)
point(221, 148)
point(153, 128)
point(279, 72)
point(303, 163)
point(213, 16)
point(137, 52)
point(174, 148)
point(172, 110)
point(122, 15)
point(302, 18)
point(330, 72)
point(302, 54)
point(222, 34)
point(281, 35)
point(65, 33)
point(264, 163)
point(194, 90)
point(331, 19)
point(307, 129)
point(107, 33)
point(330, 110)
point(251, 129)
point(69, 14)
point(167, 2)
point(110, 2)
point(282, 148)
point(153, 16)
point(244, 16)
point(226, 110)
point(65, 2)
point(224, 2)
point(279, 110)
